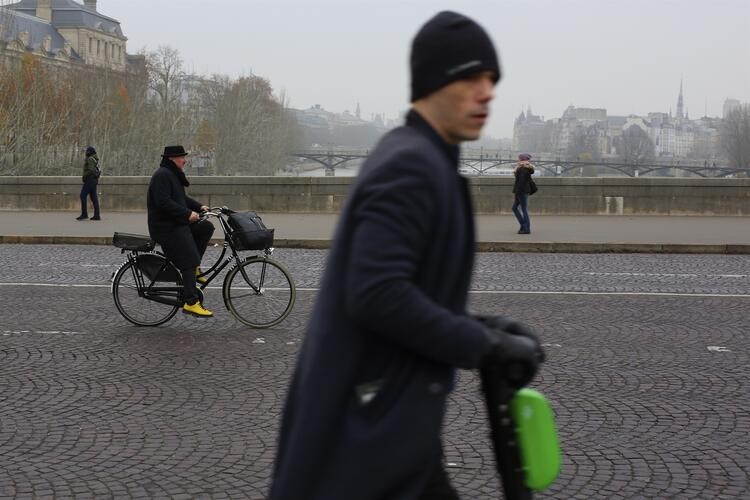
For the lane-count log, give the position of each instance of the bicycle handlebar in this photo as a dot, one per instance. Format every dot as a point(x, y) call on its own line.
point(216, 212)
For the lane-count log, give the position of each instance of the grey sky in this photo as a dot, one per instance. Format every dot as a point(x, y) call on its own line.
point(626, 56)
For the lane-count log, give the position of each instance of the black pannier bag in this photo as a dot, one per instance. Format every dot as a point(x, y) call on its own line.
point(249, 232)
point(152, 266)
point(135, 242)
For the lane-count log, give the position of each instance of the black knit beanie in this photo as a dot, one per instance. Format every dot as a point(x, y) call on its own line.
point(447, 48)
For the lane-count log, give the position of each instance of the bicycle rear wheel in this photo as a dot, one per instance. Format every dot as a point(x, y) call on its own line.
point(139, 310)
point(259, 292)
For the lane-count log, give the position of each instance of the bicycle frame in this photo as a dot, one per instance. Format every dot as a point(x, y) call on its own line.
point(163, 294)
point(171, 295)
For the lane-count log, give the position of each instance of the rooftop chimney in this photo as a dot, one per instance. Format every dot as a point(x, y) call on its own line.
point(91, 4)
point(44, 10)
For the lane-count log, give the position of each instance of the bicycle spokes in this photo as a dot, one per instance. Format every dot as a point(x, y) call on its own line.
point(259, 292)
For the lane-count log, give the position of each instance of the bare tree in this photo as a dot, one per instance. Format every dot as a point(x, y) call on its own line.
point(735, 136)
point(634, 145)
point(251, 136)
point(165, 75)
point(50, 113)
point(584, 144)
point(211, 91)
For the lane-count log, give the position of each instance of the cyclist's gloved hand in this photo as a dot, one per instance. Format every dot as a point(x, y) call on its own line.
point(503, 323)
point(516, 351)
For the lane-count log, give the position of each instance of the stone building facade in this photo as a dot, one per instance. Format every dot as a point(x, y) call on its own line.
point(673, 135)
point(64, 33)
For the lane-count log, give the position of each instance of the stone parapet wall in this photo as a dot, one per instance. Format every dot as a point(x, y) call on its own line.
point(492, 195)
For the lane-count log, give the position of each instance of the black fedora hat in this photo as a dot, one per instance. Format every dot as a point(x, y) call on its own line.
point(172, 151)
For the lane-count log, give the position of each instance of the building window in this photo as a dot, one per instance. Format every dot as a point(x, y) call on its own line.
point(98, 47)
point(91, 45)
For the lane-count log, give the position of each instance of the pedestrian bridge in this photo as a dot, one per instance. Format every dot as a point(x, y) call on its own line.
point(492, 163)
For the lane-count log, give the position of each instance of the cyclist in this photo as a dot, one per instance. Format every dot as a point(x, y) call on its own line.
point(174, 223)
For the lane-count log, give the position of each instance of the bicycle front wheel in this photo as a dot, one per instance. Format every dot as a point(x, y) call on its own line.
point(138, 310)
point(259, 292)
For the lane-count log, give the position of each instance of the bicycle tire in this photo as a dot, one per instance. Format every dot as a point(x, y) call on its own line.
point(138, 310)
point(266, 305)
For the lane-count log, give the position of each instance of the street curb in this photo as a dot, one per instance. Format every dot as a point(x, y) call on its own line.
point(577, 247)
point(483, 246)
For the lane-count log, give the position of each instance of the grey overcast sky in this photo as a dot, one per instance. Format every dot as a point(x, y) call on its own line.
point(625, 56)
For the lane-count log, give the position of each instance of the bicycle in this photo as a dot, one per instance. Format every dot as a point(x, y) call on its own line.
point(257, 290)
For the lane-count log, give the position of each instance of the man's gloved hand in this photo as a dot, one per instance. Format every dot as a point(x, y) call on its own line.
point(516, 351)
point(513, 327)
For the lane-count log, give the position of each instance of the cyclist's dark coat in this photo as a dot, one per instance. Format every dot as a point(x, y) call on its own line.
point(168, 211)
point(391, 311)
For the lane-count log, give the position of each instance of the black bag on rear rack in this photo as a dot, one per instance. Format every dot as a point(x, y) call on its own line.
point(249, 232)
point(133, 242)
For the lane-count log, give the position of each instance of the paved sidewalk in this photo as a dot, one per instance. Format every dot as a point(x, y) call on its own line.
point(657, 234)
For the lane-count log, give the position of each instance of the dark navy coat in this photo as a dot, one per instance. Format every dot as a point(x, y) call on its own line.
point(168, 215)
point(365, 407)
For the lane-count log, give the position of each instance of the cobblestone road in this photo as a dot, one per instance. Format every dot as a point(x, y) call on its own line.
point(647, 372)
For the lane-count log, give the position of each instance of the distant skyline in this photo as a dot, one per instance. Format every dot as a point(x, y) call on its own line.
point(625, 57)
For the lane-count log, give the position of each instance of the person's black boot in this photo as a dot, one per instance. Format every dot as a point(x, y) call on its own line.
point(82, 217)
point(96, 217)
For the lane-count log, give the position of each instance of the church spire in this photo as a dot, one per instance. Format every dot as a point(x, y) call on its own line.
point(679, 102)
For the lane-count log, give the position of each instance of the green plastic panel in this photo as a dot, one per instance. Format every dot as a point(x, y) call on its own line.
point(537, 438)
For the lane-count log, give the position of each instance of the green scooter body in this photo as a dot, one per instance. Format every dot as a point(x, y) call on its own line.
point(538, 445)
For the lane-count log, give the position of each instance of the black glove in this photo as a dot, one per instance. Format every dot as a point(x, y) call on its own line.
point(516, 352)
point(503, 323)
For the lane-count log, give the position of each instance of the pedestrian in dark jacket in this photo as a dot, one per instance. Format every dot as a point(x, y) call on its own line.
point(174, 223)
point(522, 191)
point(365, 407)
point(90, 180)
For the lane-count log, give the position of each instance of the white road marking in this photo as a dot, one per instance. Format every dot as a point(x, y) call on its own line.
point(57, 285)
point(718, 348)
point(43, 332)
point(79, 285)
point(672, 275)
point(477, 292)
point(648, 294)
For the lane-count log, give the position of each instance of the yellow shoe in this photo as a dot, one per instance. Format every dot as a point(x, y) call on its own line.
point(197, 309)
point(200, 279)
